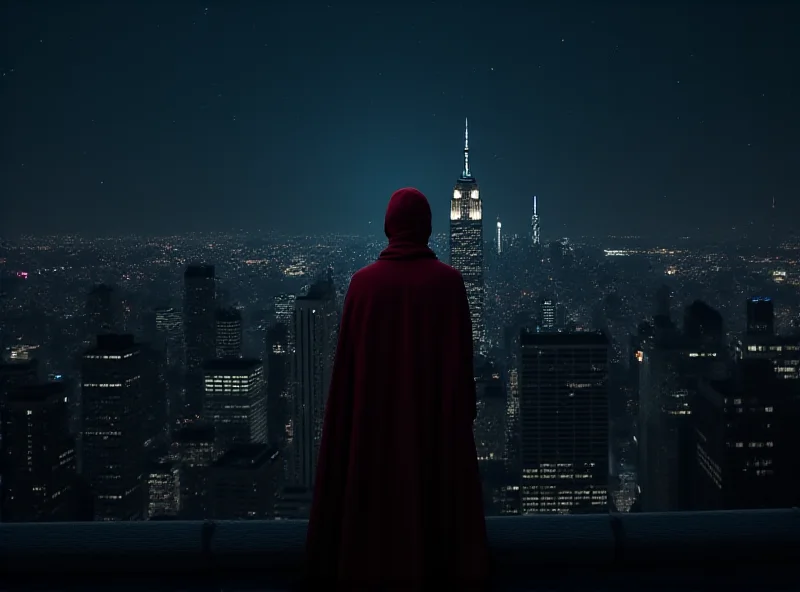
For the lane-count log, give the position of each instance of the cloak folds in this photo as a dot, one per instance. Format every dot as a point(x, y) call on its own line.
point(397, 499)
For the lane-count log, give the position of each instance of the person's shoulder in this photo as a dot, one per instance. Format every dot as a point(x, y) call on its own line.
point(448, 276)
point(447, 270)
point(429, 271)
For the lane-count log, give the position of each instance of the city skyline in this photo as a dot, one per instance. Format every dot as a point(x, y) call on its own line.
point(620, 120)
point(197, 299)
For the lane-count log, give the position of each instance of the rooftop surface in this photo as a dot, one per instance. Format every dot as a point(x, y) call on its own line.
point(742, 550)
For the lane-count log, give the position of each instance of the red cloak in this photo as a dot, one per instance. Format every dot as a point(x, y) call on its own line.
point(397, 498)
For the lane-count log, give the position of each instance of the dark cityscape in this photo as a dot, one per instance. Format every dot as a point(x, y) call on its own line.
point(188, 188)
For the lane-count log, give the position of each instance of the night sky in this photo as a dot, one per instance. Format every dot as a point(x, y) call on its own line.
point(162, 117)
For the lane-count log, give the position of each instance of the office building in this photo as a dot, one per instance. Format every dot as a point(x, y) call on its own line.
point(235, 401)
point(244, 482)
point(169, 331)
point(564, 422)
point(284, 314)
point(277, 368)
point(104, 312)
point(112, 426)
point(316, 323)
point(760, 316)
point(548, 314)
point(38, 454)
point(194, 449)
point(163, 488)
point(738, 441)
point(229, 333)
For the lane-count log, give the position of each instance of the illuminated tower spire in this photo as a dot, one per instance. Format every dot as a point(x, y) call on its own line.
point(467, 174)
point(466, 243)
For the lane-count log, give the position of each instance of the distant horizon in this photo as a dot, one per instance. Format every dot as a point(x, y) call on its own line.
point(489, 236)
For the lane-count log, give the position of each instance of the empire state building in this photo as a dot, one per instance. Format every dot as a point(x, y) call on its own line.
point(466, 243)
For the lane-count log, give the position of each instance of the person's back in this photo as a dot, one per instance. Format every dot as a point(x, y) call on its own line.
point(397, 497)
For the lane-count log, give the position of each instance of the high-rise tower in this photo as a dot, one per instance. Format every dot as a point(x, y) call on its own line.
point(466, 242)
point(535, 224)
point(113, 435)
point(564, 422)
point(499, 236)
point(199, 301)
point(315, 328)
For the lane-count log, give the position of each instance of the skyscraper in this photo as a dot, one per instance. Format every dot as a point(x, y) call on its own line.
point(169, 339)
point(229, 333)
point(564, 422)
point(38, 454)
point(169, 330)
point(277, 369)
point(103, 311)
point(315, 329)
point(234, 401)
point(199, 303)
point(499, 236)
point(548, 314)
point(194, 449)
point(535, 224)
point(466, 243)
point(737, 440)
point(760, 316)
point(243, 483)
point(284, 313)
point(162, 481)
point(111, 398)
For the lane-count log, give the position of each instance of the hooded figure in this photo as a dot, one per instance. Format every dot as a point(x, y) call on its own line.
point(397, 499)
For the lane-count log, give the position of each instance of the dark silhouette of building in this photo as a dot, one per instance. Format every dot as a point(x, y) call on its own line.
point(16, 374)
point(38, 454)
point(702, 324)
point(760, 316)
point(278, 367)
point(169, 341)
point(103, 311)
point(316, 322)
point(229, 333)
point(738, 440)
point(244, 482)
point(193, 446)
point(112, 426)
point(564, 422)
point(199, 304)
point(663, 302)
point(155, 403)
point(672, 364)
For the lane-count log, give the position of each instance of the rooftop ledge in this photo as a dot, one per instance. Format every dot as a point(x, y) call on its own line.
point(757, 549)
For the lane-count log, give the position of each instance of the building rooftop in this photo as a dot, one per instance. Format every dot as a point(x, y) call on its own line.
point(320, 290)
point(691, 551)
